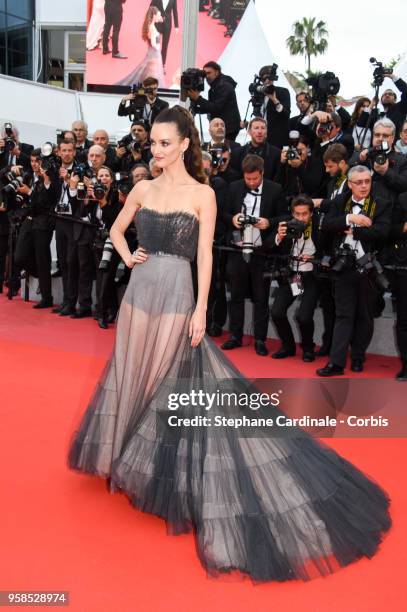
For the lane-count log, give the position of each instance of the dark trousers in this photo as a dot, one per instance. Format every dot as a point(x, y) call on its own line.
point(355, 298)
point(65, 247)
point(82, 273)
point(216, 313)
point(3, 256)
point(166, 34)
point(244, 277)
point(33, 253)
point(113, 19)
point(106, 286)
point(232, 135)
point(327, 303)
point(304, 315)
point(400, 293)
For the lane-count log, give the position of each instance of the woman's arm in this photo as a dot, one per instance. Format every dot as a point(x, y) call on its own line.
point(207, 220)
point(153, 35)
point(123, 220)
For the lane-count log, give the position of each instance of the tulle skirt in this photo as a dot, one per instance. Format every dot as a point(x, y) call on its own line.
point(151, 66)
point(274, 508)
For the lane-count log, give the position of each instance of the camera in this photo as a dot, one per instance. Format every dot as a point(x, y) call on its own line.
point(83, 170)
point(124, 182)
point(292, 151)
point(345, 258)
point(14, 182)
point(258, 90)
point(369, 264)
point(99, 189)
point(106, 255)
point(129, 143)
point(81, 190)
point(194, 79)
point(50, 163)
point(295, 228)
point(247, 222)
point(323, 85)
point(380, 72)
point(9, 142)
point(216, 154)
point(378, 155)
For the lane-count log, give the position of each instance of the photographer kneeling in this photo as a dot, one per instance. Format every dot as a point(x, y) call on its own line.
point(298, 239)
point(360, 223)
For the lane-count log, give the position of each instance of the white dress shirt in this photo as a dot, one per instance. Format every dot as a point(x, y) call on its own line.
point(252, 201)
point(357, 207)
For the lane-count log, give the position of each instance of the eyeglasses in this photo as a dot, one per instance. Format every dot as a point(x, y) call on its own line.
point(362, 182)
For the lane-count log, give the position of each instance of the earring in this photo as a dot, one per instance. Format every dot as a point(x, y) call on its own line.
point(183, 155)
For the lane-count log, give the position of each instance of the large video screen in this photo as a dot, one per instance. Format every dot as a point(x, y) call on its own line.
point(130, 40)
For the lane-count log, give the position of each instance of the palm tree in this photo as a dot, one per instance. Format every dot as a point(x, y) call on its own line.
point(308, 39)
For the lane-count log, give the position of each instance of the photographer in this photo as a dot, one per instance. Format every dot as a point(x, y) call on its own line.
point(217, 305)
point(393, 110)
point(101, 138)
point(299, 171)
point(325, 129)
point(135, 147)
point(303, 101)
point(152, 105)
point(389, 168)
point(359, 223)
point(217, 132)
point(252, 204)
point(33, 252)
point(397, 257)
point(258, 145)
point(12, 152)
point(65, 210)
point(333, 107)
point(298, 239)
point(336, 166)
point(80, 129)
point(221, 101)
point(276, 108)
point(140, 172)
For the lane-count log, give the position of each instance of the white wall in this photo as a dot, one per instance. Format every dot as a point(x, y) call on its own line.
point(61, 13)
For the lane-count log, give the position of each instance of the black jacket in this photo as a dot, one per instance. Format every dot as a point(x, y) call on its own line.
point(277, 122)
point(220, 188)
point(85, 234)
point(396, 112)
point(394, 182)
point(371, 238)
point(271, 206)
point(42, 203)
point(221, 103)
point(171, 10)
point(307, 178)
point(270, 154)
point(125, 109)
point(319, 239)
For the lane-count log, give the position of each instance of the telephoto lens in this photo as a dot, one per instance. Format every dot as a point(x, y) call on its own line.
point(106, 255)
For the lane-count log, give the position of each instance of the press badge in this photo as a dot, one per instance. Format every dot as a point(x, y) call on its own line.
point(296, 285)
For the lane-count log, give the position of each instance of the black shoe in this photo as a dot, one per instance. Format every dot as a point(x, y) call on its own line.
point(231, 344)
point(103, 324)
point(260, 348)
point(106, 51)
point(357, 365)
point(402, 375)
point(111, 317)
point(56, 273)
point(283, 353)
point(44, 304)
point(308, 356)
point(81, 313)
point(57, 310)
point(331, 369)
point(67, 311)
point(214, 331)
point(119, 56)
point(323, 352)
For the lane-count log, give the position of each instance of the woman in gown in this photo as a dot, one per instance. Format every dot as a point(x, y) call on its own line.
point(274, 508)
point(96, 24)
point(152, 64)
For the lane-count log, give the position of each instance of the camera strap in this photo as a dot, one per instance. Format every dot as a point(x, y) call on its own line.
point(368, 208)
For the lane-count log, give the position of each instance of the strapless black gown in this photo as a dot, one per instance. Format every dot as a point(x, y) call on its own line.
point(275, 508)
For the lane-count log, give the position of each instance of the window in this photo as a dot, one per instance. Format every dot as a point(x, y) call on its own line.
point(16, 36)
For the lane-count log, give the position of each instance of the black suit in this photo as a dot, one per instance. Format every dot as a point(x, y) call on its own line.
point(113, 18)
point(165, 27)
point(155, 109)
point(355, 293)
point(248, 277)
point(396, 112)
point(270, 154)
point(221, 103)
point(394, 182)
point(397, 256)
point(277, 122)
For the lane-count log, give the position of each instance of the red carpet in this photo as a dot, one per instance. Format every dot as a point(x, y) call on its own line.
point(64, 531)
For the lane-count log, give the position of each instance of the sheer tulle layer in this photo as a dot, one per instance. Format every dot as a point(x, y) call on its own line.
point(273, 508)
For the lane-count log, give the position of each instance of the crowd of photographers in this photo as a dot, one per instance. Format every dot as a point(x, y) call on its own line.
point(315, 201)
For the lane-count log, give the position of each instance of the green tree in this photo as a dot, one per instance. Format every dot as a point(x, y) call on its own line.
point(308, 38)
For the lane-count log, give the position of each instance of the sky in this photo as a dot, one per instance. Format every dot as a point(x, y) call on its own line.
point(357, 31)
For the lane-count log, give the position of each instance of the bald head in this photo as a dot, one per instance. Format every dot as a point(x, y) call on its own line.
point(96, 157)
point(101, 137)
point(217, 129)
